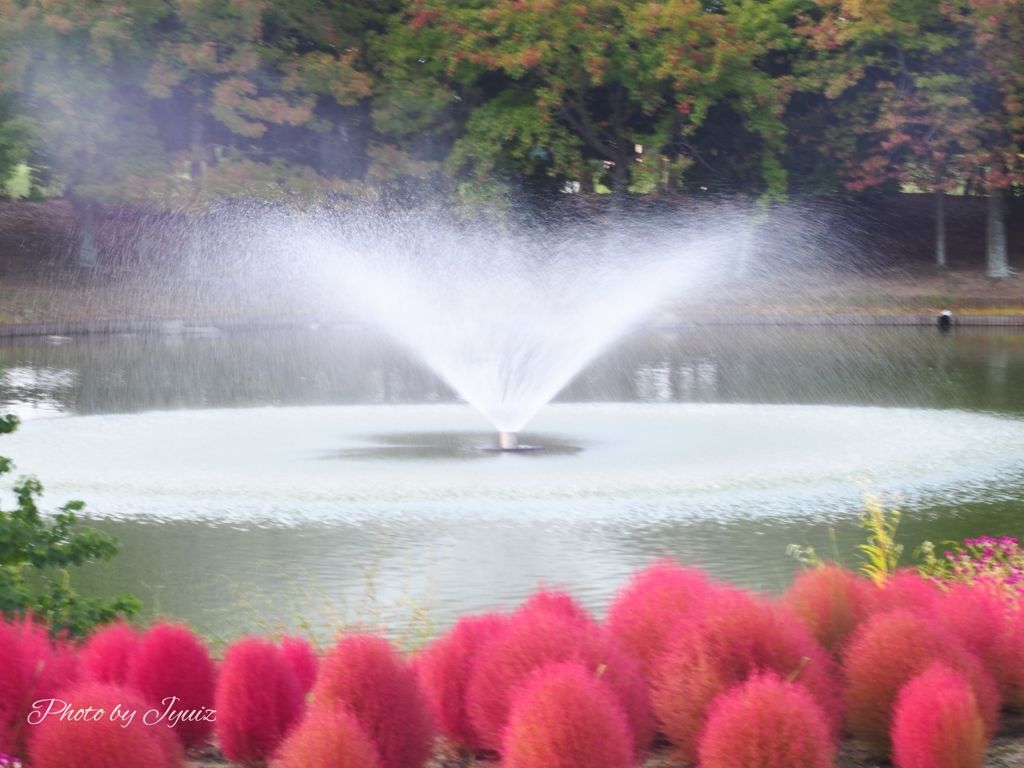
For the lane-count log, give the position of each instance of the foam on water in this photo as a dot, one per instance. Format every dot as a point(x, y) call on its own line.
point(606, 461)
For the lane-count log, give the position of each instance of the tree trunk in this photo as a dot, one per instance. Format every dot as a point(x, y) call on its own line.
point(620, 176)
point(996, 264)
point(197, 137)
point(940, 228)
point(86, 252)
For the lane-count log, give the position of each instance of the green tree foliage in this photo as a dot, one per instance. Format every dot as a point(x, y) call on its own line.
point(266, 99)
point(14, 139)
point(75, 69)
point(175, 102)
point(35, 553)
point(925, 92)
point(574, 90)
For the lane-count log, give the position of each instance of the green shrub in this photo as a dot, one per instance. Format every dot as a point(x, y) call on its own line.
point(31, 543)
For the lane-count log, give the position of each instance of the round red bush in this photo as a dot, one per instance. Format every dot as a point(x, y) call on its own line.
point(258, 700)
point(15, 695)
point(33, 667)
point(831, 602)
point(172, 662)
point(887, 652)
point(564, 716)
point(989, 627)
point(444, 669)
point(1016, 697)
point(107, 653)
point(766, 723)
point(303, 659)
point(735, 636)
point(102, 741)
point(907, 590)
point(328, 738)
point(645, 610)
point(534, 639)
point(937, 723)
point(556, 601)
point(367, 675)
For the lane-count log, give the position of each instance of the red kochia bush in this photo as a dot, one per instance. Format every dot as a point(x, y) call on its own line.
point(328, 738)
point(888, 651)
point(52, 664)
point(102, 742)
point(990, 628)
point(906, 590)
point(564, 716)
point(830, 601)
point(1016, 699)
point(766, 723)
point(107, 653)
point(258, 700)
point(535, 638)
point(303, 659)
point(556, 601)
point(33, 667)
point(14, 689)
point(366, 674)
point(736, 635)
point(644, 611)
point(444, 669)
point(937, 723)
point(172, 661)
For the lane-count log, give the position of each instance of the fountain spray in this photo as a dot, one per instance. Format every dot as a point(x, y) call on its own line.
point(508, 318)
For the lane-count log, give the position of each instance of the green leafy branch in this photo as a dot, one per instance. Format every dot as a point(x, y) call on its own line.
point(31, 543)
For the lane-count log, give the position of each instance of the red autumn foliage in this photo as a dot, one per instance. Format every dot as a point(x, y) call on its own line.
point(444, 670)
point(303, 659)
point(564, 716)
point(766, 723)
point(32, 667)
point(645, 610)
point(888, 651)
point(331, 737)
point(107, 653)
point(735, 636)
point(830, 601)
point(172, 661)
point(102, 742)
point(906, 590)
point(535, 638)
point(937, 723)
point(258, 700)
point(367, 675)
point(990, 628)
point(556, 601)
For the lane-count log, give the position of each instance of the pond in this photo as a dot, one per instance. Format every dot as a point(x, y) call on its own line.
point(314, 477)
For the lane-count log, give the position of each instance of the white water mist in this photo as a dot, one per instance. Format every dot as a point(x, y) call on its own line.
point(507, 319)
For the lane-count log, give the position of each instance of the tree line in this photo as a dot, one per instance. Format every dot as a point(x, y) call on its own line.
point(178, 103)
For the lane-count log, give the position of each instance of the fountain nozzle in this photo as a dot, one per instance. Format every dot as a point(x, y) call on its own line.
point(509, 441)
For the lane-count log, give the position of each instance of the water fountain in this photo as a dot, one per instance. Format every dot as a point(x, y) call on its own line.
point(223, 458)
point(508, 318)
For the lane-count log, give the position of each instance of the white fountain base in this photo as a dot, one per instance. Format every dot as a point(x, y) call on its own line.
point(349, 462)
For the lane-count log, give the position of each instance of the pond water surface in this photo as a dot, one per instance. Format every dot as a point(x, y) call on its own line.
point(306, 478)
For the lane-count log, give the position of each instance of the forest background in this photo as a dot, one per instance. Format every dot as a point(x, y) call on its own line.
point(180, 105)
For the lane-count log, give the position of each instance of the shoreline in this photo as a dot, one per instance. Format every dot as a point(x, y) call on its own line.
point(199, 326)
